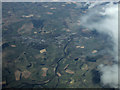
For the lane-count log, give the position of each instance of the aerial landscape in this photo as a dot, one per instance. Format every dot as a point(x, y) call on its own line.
point(51, 45)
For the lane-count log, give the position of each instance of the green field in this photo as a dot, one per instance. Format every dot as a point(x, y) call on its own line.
point(70, 52)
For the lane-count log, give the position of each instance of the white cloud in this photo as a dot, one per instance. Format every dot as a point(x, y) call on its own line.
point(109, 75)
point(109, 25)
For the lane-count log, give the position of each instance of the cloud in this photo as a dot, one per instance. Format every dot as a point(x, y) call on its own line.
point(109, 75)
point(104, 18)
